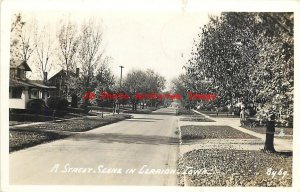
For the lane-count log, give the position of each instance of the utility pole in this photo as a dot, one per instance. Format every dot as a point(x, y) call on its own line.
point(117, 104)
point(121, 75)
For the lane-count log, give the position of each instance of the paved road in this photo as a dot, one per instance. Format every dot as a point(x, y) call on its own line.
point(146, 141)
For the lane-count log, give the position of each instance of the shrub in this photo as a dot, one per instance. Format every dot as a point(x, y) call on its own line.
point(236, 111)
point(36, 106)
point(75, 110)
point(86, 106)
point(252, 111)
point(57, 103)
point(223, 109)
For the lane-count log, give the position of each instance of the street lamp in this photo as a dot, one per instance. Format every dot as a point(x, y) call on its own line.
point(121, 75)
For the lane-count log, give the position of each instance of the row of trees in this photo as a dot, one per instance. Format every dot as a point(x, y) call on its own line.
point(81, 47)
point(139, 81)
point(70, 47)
point(247, 57)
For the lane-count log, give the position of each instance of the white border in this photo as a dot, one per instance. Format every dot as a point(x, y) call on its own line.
point(9, 6)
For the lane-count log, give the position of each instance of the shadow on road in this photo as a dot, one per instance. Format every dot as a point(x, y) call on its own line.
point(147, 118)
point(140, 121)
point(163, 113)
point(122, 138)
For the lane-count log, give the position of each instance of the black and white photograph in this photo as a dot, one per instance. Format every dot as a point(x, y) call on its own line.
point(164, 94)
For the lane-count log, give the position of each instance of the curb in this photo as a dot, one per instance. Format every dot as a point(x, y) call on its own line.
point(185, 181)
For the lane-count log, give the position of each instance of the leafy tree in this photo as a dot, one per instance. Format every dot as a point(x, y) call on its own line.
point(105, 82)
point(273, 80)
point(104, 77)
point(274, 76)
point(138, 81)
point(249, 57)
point(220, 58)
point(155, 83)
point(134, 83)
point(180, 86)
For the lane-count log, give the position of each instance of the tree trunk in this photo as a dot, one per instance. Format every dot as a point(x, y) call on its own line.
point(269, 143)
point(74, 102)
point(135, 106)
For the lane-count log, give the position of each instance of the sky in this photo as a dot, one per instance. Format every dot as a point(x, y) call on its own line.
point(161, 40)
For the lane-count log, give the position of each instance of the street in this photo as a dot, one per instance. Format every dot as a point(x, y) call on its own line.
point(103, 155)
point(125, 97)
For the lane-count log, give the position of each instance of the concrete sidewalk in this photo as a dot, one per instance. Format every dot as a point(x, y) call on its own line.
point(279, 144)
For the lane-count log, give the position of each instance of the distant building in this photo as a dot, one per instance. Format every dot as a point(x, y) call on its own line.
point(59, 80)
point(21, 89)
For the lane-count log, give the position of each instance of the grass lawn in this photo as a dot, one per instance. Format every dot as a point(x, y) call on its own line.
point(220, 114)
point(21, 139)
point(79, 124)
point(28, 136)
point(197, 118)
point(191, 132)
point(235, 168)
point(183, 111)
point(25, 118)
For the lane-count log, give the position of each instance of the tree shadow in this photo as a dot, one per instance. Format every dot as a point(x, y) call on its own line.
point(139, 120)
point(147, 118)
point(284, 153)
point(163, 113)
point(128, 139)
point(280, 153)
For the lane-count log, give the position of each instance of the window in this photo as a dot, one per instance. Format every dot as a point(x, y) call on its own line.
point(12, 73)
point(29, 93)
point(19, 73)
point(16, 92)
point(34, 94)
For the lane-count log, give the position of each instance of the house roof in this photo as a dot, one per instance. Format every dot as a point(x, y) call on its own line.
point(41, 85)
point(18, 63)
point(62, 71)
point(16, 83)
point(37, 81)
point(28, 83)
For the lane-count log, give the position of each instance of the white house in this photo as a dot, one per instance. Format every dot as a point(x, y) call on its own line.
point(21, 89)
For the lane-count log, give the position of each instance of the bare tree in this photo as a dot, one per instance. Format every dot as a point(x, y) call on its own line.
point(68, 42)
point(16, 22)
point(28, 45)
point(44, 46)
point(90, 52)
